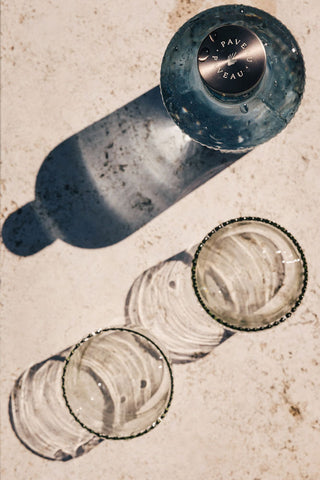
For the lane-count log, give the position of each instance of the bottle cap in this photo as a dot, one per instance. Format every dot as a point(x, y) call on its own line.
point(231, 60)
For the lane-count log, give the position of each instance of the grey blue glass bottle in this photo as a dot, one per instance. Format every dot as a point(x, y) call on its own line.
point(232, 77)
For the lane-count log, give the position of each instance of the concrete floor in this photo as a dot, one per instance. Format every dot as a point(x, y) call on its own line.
point(249, 410)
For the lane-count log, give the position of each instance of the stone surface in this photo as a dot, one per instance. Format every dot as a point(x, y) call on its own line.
point(249, 410)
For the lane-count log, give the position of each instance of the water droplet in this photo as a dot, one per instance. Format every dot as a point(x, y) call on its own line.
point(265, 44)
point(176, 48)
point(203, 55)
point(275, 83)
point(293, 50)
point(241, 10)
point(244, 108)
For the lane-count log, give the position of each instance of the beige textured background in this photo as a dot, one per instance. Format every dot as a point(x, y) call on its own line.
point(250, 409)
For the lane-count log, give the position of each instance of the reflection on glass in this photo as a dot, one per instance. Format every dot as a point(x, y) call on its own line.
point(249, 273)
point(117, 383)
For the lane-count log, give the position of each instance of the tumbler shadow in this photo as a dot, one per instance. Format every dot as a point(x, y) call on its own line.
point(107, 181)
point(40, 418)
point(162, 301)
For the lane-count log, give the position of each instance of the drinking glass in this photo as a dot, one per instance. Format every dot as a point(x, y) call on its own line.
point(249, 274)
point(117, 383)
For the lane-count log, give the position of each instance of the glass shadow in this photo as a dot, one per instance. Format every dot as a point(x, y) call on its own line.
point(105, 182)
point(162, 301)
point(39, 416)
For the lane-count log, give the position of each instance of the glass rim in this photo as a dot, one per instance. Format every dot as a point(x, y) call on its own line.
point(253, 219)
point(123, 329)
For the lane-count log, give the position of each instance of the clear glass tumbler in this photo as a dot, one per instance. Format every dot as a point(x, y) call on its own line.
point(117, 383)
point(249, 274)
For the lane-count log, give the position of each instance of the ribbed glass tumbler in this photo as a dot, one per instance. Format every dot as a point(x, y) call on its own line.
point(117, 383)
point(249, 274)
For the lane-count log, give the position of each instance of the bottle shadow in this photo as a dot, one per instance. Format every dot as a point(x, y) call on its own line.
point(162, 301)
point(93, 190)
point(105, 182)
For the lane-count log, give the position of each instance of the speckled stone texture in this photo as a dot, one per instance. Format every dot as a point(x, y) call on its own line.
point(249, 410)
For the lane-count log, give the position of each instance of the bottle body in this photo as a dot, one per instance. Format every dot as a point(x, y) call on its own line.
point(221, 120)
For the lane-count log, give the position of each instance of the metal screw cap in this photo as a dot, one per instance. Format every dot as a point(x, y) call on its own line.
point(231, 60)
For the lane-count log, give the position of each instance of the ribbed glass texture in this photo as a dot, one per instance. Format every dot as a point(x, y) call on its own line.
point(117, 383)
point(237, 124)
point(249, 274)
